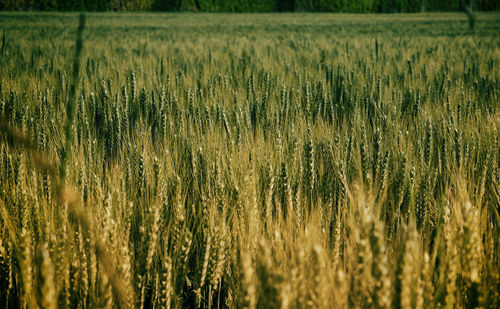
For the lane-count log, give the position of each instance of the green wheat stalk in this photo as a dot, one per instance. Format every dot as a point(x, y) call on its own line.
point(70, 107)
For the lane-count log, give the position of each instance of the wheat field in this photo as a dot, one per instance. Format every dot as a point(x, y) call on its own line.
point(249, 161)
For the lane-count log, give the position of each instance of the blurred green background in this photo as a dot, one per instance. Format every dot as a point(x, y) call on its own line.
point(347, 6)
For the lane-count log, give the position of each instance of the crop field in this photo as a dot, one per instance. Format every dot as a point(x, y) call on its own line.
point(152, 160)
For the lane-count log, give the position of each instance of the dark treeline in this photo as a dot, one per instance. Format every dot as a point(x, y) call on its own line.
point(352, 6)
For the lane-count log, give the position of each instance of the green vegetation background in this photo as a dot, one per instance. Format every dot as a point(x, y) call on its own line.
point(352, 6)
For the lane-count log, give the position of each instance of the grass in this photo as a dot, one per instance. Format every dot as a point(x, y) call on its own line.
point(249, 160)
